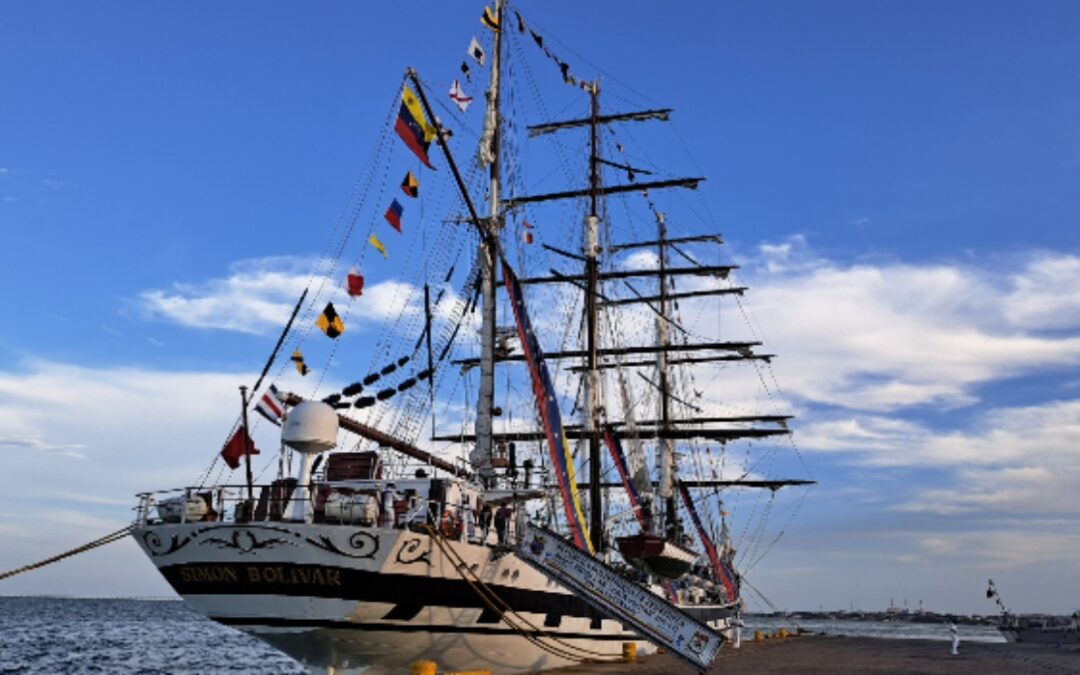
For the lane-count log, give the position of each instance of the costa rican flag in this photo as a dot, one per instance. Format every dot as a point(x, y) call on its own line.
point(270, 406)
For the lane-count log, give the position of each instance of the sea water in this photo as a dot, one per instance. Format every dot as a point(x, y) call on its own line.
point(74, 635)
point(894, 630)
point(68, 635)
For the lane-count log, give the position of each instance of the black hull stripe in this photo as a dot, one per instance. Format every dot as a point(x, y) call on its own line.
point(271, 622)
point(408, 594)
point(342, 583)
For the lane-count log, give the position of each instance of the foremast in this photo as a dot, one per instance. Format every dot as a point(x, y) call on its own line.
point(489, 154)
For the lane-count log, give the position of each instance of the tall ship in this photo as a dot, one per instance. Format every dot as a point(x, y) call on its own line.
point(1042, 630)
point(561, 361)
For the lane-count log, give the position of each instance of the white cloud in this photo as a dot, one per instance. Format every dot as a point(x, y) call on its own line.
point(1046, 294)
point(38, 445)
point(258, 295)
point(885, 336)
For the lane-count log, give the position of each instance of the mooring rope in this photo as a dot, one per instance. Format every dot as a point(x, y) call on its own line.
point(107, 539)
point(511, 617)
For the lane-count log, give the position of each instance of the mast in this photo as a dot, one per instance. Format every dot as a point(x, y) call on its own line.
point(489, 152)
point(592, 382)
point(666, 456)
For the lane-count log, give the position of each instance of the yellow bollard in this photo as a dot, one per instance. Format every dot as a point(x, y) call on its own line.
point(629, 652)
point(759, 636)
point(422, 668)
point(783, 633)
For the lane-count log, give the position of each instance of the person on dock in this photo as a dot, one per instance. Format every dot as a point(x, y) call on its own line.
point(955, 633)
point(737, 625)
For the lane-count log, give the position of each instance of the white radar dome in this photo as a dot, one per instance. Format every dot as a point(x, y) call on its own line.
point(310, 427)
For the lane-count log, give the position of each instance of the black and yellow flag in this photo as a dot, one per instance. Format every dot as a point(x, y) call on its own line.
point(298, 359)
point(489, 19)
point(329, 321)
point(410, 186)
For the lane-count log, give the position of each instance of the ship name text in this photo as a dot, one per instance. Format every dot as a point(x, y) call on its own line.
point(276, 574)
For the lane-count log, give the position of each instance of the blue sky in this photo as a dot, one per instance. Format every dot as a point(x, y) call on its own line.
point(896, 179)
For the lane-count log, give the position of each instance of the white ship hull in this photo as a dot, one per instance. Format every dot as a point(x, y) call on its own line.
point(352, 598)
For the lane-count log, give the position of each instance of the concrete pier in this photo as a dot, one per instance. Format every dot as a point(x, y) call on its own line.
point(826, 655)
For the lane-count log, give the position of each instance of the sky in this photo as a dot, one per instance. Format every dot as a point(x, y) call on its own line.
point(895, 180)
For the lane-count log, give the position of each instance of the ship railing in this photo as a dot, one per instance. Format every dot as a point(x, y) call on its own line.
point(277, 503)
point(225, 503)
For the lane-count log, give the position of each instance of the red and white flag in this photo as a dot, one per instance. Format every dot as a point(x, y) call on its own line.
point(458, 96)
point(354, 283)
point(269, 406)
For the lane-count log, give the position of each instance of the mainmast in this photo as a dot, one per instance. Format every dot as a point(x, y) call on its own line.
point(489, 154)
point(592, 381)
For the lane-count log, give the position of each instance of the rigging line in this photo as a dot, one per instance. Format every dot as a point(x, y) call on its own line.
point(600, 70)
point(776, 407)
point(403, 411)
point(356, 200)
point(100, 541)
point(693, 160)
point(761, 595)
point(783, 530)
point(539, 104)
point(353, 205)
point(759, 531)
point(510, 616)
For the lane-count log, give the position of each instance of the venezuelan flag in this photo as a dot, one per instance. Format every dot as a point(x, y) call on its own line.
point(548, 406)
point(413, 127)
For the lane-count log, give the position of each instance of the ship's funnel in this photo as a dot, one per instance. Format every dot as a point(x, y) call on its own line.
point(311, 427)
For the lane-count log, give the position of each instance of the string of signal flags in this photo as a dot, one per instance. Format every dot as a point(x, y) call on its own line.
point(414, 129)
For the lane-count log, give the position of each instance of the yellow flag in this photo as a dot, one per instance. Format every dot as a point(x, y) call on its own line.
point(489, 19)
point(298, 360)
point(374, 241)
point(329, 322)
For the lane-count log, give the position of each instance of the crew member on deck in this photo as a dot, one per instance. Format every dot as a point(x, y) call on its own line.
point(485, 522)
point(955, 633)
point(389, 495)
point(502, 523)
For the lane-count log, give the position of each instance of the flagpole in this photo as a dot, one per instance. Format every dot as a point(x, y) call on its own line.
point(247, 450)
point(430, 364)
point(277, 347)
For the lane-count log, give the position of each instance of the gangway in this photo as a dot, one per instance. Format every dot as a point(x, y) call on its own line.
point(607, 591)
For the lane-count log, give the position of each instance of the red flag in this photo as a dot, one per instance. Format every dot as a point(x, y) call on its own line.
point(354, 283)
point(234, 449)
